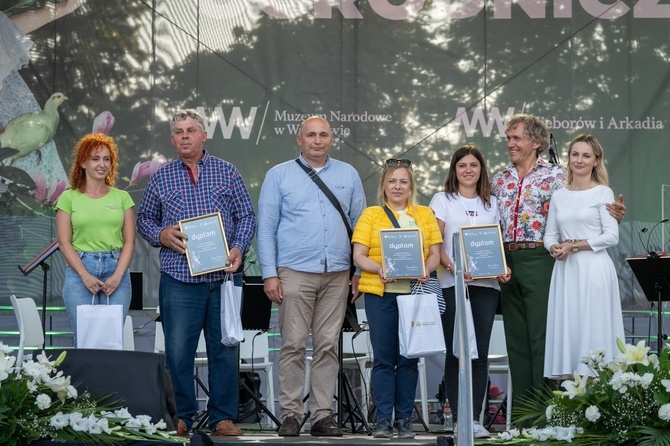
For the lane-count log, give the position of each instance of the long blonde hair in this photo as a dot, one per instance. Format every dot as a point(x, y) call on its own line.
point(599, 172)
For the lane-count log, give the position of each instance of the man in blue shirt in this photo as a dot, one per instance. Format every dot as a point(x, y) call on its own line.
point(304, 251)
point(196, 184)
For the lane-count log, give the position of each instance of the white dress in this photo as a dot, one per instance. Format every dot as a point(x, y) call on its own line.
point(584, 309)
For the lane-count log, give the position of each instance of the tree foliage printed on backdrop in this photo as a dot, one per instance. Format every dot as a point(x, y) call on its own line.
point(626, 402)
point(413, 79)
point(38, 402)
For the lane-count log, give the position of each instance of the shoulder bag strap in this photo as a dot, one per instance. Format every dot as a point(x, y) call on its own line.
point(391, 217)
point(319, 182)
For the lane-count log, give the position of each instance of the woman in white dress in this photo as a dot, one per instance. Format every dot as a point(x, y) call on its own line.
point(584, 310)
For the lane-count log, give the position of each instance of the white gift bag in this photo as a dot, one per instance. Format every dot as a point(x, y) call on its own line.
point(419, 326)
point(100, 326)
point(470, 332)
point(231, 313)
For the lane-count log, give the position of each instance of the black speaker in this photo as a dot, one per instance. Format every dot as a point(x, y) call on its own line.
point(136, 284)
point(256, 306)
point(121, 378)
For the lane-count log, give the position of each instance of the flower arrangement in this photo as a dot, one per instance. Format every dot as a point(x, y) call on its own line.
point(38, 402)
point(626, 402)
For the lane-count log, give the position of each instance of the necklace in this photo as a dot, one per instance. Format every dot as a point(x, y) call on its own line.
point(96, 194)
point(472, 215)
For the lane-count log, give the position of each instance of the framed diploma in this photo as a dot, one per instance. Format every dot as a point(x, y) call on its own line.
point(483, 251)
point(402, 253)
point(206, 246)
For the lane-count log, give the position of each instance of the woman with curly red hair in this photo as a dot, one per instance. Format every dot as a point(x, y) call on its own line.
point(96, 229)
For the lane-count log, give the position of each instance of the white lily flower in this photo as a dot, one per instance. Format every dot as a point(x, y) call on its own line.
point(576, 387)
point(635, 354)
point(6, 364)
point(666, 384)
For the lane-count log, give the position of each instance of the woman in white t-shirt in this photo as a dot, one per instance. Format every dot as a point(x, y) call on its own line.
point(466, 201)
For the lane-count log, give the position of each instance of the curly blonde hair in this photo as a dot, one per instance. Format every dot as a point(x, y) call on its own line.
point(83, 150)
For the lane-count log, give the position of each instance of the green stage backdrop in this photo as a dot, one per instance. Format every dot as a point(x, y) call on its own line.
point(413, 78)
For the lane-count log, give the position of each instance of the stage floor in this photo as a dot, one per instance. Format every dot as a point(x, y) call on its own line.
point(268, 437)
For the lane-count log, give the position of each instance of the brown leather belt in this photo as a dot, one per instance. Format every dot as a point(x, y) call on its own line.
point(523, 245)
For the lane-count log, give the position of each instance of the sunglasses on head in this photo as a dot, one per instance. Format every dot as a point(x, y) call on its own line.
point(398, 162)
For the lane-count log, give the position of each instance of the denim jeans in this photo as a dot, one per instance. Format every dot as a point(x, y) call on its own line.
point(101, 265)
point(394, 377)
point(186, 309)
point(484, 302)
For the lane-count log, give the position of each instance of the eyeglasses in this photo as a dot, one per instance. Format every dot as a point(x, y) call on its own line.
point(392, 162)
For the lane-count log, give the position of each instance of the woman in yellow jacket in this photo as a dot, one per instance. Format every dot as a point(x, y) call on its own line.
point(394, 377)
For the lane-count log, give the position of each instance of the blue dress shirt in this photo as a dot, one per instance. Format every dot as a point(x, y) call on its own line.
point(298, 227)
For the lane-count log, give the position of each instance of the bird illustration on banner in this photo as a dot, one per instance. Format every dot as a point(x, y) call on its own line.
point(30, 131)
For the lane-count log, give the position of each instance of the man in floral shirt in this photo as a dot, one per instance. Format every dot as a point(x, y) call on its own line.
point(523, 191)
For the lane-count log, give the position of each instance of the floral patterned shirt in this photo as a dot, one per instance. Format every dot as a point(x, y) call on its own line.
point(524, 203)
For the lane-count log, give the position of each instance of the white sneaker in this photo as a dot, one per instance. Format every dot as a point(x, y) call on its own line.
point(479, 431)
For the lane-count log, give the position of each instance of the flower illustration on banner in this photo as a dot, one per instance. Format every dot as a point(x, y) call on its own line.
point(46, 194)
point(103, 123)
point(625, 402)
point(144, 169)
point(37, 402)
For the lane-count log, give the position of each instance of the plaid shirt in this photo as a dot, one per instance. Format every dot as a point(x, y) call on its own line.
point(524, 203)
point(170, 196)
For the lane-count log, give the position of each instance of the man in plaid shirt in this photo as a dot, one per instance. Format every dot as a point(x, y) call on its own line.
point(196, 184)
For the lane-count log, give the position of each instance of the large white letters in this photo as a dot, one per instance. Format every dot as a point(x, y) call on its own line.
point(460, 9)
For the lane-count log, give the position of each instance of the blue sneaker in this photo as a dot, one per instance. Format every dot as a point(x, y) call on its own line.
point(383, 429)
point(404, 428)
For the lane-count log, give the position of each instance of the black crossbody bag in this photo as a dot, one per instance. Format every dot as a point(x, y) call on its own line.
point(333, 199)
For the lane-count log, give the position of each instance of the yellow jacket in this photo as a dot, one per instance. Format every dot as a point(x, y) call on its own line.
point(366, 233)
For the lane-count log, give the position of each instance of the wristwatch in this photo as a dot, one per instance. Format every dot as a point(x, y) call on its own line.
point(575, 248)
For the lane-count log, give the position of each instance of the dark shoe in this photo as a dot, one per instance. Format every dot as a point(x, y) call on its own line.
point(404, 428)
point(325, 427)
point(383, 429)
point(290, 427)
point(182, 429)
point(227, 428)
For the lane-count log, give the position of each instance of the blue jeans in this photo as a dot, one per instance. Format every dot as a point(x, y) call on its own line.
point(394, 377)
point(186, 309)
point(101, 265)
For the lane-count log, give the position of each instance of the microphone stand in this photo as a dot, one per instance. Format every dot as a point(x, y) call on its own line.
point(553, 155)
point(40, 260)
point(654, 254)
